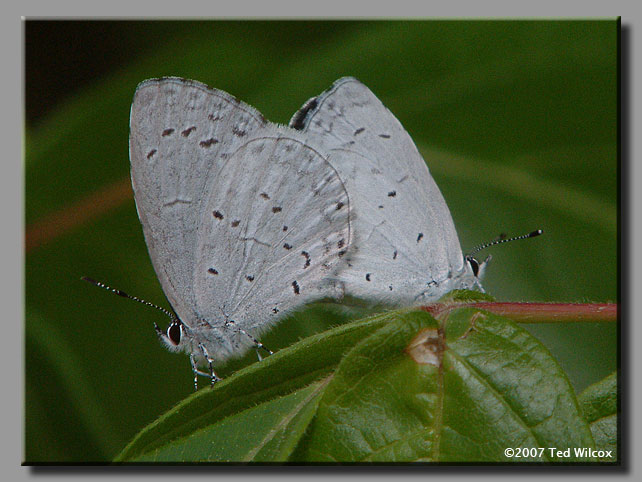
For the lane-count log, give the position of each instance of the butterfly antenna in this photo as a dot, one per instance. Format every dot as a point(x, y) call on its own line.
point(503, 239)
point(125, 295)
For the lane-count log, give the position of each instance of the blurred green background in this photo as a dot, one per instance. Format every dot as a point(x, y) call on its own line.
point(517, 121)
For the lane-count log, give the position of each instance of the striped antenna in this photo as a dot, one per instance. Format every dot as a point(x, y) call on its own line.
point(125, 295)
point(503, 239)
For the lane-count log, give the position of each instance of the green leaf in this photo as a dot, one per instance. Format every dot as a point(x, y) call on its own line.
point(397, 387)
point(599, 403)
point(277, 377)
point(266, 432)
point(505, 391)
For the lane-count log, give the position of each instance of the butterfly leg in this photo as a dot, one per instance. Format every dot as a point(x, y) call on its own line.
point(195, 370)
point(213, 377)
point(257, 344)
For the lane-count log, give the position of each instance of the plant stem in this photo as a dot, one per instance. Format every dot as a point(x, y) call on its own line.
point(538, 312)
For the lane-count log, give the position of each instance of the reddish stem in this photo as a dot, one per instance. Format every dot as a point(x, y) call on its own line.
point(537, 312)
point(84, 210)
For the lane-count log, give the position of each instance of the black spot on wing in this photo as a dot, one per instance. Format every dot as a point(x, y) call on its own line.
point(208, 142)
point(188, 131)
point(421, 235)
point(239, 132)
point(295, 287)
point(167, 132)
point(307, 258)
point(212, 271)
point(217, 214)
point(151, 153)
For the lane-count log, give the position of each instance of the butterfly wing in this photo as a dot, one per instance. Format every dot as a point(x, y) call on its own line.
point(276, 223)
point(405, 246)
point(181, 132)
point(241, 217)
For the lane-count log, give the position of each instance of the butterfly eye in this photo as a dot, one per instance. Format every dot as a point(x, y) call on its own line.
point(474, 264)
point(174, 333)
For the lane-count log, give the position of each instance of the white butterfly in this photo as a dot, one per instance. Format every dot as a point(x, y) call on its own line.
point(242, 218)
point(246, 220)
point(405, 248)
